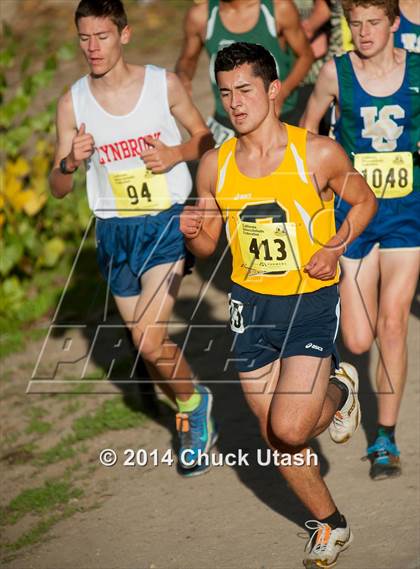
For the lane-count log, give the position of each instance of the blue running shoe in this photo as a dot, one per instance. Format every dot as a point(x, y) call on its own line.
point(197, 434)
point(204, 465)
point(385, 459)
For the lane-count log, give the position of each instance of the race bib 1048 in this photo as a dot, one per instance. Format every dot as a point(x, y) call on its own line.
point(389, 174)
point(269, 247)
point(139, 192)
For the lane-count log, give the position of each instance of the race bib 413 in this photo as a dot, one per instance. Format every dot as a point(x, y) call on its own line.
point(269, 247)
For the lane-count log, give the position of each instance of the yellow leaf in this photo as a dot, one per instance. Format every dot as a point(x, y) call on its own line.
point(34, 202)
point(53, 250)
point(20, 168)
point(39, 184)
point(19, 201)
point(13, 191)
point(2, 219)
point(40, 165)
point(43, 147)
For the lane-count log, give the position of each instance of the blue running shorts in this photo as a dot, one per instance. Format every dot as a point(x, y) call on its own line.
point(269, 327)
point(128, 247)
point(396, 225)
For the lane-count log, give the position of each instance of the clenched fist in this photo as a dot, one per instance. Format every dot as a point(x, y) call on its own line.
point(323, 264)
point(160, 157)
point(82, 148)
point(191, 220)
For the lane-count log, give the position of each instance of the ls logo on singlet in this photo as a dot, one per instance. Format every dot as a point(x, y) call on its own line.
point(411, 42)
point(383, 131)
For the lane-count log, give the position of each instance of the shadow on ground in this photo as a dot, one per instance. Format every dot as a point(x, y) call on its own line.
point(208, 348)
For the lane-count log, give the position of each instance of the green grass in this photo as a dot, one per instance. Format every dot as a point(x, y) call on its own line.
point(36, 412)
point(10, 438)
point(61, 451)
point(7, 375)
point(21, 454)
point(34, 534)
point(15, 339)
point(39, 500)
point(36, 334)
point(113, 415)
point(38, 426)
point(81, 388)
point(41, 528)
point(10, 341)
point(71, 408)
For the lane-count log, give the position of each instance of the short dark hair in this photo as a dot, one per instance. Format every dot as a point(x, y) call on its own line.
point(112, 9)
point(236, 54)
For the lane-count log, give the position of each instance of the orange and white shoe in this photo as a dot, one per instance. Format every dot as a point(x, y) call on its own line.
point(325, 544)
point(347, 419)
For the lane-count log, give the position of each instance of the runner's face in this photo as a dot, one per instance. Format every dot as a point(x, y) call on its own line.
point(371, 29)
point(101, 43)
point(244, 98)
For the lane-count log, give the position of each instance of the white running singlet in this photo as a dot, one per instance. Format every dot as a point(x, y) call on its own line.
point(118, 184)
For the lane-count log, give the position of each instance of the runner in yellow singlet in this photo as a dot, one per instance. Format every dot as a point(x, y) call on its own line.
point(274, 186)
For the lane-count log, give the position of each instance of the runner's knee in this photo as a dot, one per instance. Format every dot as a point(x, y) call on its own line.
point(149, 344)
point(289, 433)
point(393, 327)
point(358, 341)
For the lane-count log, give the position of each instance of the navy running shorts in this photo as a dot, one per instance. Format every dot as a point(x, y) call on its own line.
point(270, 327)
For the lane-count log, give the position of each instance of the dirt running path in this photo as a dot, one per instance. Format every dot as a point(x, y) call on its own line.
point(235, 518)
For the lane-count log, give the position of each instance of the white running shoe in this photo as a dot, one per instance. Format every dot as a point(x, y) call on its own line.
point(325, 544)
point(347, 419)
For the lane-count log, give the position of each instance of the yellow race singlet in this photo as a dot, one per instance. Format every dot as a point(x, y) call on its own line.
point(275, 223)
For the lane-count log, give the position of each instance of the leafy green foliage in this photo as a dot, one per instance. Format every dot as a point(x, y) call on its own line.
point(37, 232)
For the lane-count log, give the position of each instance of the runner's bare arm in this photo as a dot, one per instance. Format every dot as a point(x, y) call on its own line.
point(202, 224)
point(324, 93)
point(348, 184)
point(333, 170)
point(72, 144)
point(289, 26)
point(162, 157)
point(194, 28)
point(319, 16)
point(62, 184)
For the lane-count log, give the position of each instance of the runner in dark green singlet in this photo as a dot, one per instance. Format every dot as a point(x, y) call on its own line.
point(216, 24)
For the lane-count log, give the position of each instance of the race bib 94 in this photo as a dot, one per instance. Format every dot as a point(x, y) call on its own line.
point(389, 174)
point(139, 192)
